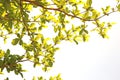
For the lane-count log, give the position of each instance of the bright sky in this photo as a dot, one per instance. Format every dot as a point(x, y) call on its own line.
point(98, 59)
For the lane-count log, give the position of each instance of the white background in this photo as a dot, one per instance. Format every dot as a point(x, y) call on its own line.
point(98, 59)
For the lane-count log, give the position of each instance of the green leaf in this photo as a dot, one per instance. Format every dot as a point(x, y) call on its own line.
point(75, 41)
point(15, 41)
point(32, 25)
point(85, 37)
point(20, 42)
point(21, 75)
point(81, 31)
point(1, 64)
point(107, 9)
point(118, 7)
point(44, 69)
point(86, 15)
point(50, 64)
point(8, 51)
point(89, 3)
point(8, 70)
point(18, 35)
point(7, 78)
point(86, 31)
point(2, 53)
point(34, 78)
point(40, 78)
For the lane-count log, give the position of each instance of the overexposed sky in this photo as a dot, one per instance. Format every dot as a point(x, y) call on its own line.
point(98, 59)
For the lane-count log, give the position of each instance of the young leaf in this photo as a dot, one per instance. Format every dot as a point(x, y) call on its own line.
point(1, 53)
point(89, 3)
point(107, 9)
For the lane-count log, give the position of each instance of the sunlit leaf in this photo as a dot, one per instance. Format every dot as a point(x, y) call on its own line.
point(89, 3)
point(1, 53)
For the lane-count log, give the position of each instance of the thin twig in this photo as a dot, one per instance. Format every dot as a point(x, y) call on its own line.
point(57, 9)
point(105, 15)
point(19, 20)
point(21, 11)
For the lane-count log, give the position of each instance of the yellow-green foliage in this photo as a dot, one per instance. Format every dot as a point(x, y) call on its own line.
point(16, 18)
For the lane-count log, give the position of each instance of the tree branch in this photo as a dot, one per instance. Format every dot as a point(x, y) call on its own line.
point(105, 15)
point(57, 9)
point(21, 11)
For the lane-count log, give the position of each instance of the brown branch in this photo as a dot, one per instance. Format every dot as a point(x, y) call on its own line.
point(12, 19)
point(57, 9)
point(29, 34)
point(13, 65)
point(21, 11)
point(24, 60)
